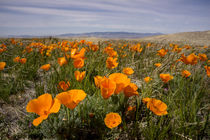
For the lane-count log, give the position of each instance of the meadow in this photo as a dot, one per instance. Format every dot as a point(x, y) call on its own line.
point(113, 89)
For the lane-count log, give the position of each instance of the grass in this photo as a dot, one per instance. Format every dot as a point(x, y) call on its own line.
point(186, 98)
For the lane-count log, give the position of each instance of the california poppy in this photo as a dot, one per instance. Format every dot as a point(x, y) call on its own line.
point(128, 71)
point(71, 98)
point(162, 52)
point(147, 79)
point(79, 75)
point(107, 87)
point(16, 59)
point(97, 80)
point(112, 120)
point(166, 77)
point(62, 61)
point(78, 62)
point(121, 81)
point(80, 54)
point(157, 64)
point(130, 90)
point(190, 59)
point(202, 57)
point(64, 85)
point(45, 67)
point(23, 60)
point(2, 65)
point(43, 106)
point(207, 70)
point(185, 73)
point(111, 62)
point(156, 106)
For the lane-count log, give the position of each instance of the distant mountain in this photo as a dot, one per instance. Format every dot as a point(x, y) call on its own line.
point(123, 35)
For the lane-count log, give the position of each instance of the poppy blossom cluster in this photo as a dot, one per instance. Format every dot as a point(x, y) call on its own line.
point(2, 65)
point(156, 106)
point(20, 60)
point(114, 84)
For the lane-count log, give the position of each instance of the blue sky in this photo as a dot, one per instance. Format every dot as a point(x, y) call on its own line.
point(51, 17)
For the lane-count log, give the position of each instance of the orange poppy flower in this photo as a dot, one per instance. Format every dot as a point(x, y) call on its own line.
point(162, 52)
point(2, 65)
point(71, 98)
point(185, 73)
point(16, 59)
point(107, 87)
point(45, 67)
point(157, 64)
point(107, 49)
point(80, 54)
point(112, 120)
point(94, 47)
point(202, 57)
point(147, 79)
point(43, 106)
point(136, 48)
point(121, 81)
point(82, 41)
point(23, 60)
point(62, 61)
point(97, 80)
point(64, 86)
point(130, 90)
point(79, 75)
point(112, 53)
point(207, 70)
point(78, 62)
point(166, 77)
point(156, 106)
point(130, 108)
point(190, 59)
point(128, 71)
point(111, 62)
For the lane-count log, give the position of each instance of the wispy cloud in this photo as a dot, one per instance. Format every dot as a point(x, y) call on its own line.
point(57, 16)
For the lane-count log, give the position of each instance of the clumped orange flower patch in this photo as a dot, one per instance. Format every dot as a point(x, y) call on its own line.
point(128, 71)
point(80, 54)
point(202, 57)
point(2, 65)
point(166, 77)
point(121, 81)
point(64, 85)
point(78, 62)
point(71, 98)
point(112, 120)
point(107, 87)
point(16, 59)
point(111, 63)
point(79, 75)
point(97, 80)
point(190, 59)
point(157, 64)
point(131, 90)
point(147, 79)
point(207, 70)
point(43, 106)
point(185, 73)
point(156, 106)
point(45, 67)
point(62, 61)
point(162, 52)
point(23, 60)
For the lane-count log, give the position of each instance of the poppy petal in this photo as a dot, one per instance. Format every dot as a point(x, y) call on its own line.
point(56, 106)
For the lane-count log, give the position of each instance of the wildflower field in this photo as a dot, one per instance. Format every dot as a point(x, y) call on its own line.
point(116, 89)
